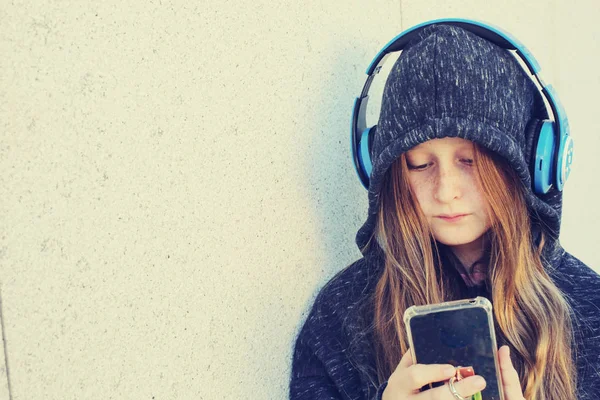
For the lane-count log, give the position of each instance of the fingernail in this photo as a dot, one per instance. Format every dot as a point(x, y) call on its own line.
point(466, 372)
point(479, 382)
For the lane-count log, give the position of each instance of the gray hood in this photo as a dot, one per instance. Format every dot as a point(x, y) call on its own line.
point(448, 82)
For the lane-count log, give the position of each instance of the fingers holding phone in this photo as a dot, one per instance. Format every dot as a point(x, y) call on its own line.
point(459, 333)
point(408, 378)
point(510, 378)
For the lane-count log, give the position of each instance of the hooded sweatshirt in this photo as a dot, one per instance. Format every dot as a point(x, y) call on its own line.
point(447, 82)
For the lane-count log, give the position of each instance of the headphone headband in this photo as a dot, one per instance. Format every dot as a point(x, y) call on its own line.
point(486, 31)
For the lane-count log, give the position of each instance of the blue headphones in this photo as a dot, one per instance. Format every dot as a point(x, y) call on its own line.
point(554, 146)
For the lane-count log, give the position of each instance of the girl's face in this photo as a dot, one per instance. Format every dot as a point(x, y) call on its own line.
point(443, 179)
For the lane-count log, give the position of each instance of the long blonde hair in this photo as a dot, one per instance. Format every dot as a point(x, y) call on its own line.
point(530, 312)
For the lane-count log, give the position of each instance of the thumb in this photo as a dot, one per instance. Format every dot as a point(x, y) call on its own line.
point(406, 360)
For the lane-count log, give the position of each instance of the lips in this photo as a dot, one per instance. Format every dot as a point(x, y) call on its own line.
point(451, 217)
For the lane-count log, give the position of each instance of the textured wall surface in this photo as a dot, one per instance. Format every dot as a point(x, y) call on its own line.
point(176, 180)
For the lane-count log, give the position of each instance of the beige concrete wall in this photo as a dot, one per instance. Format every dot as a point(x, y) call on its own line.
point(177, 184)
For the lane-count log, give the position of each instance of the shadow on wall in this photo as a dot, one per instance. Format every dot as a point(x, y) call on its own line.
point(330, 188)
point(338, 198)
point(336, 194)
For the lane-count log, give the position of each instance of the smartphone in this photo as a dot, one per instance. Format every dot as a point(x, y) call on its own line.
point(459, 332)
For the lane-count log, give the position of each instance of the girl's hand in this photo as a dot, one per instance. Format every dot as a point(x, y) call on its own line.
point(408, 378)
point(510, 378)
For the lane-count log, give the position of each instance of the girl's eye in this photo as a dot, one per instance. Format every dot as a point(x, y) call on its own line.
point(467, 161)
point(417, 167)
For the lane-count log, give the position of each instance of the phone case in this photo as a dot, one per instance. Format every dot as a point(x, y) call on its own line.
point(462, 312)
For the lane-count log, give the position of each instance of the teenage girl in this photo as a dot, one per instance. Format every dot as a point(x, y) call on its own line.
point(465, 171)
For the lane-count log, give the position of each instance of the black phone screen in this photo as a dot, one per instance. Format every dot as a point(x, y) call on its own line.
point(458, 337)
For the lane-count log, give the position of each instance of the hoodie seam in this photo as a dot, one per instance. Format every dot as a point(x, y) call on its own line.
point(435, 84)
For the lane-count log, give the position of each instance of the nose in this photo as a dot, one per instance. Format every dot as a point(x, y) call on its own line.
point(447, 186)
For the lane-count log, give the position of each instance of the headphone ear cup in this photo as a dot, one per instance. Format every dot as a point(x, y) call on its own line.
point(543, 163)
point(364, 153)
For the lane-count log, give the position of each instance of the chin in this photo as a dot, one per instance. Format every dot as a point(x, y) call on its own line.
point(455, 241)
point(457, 238)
